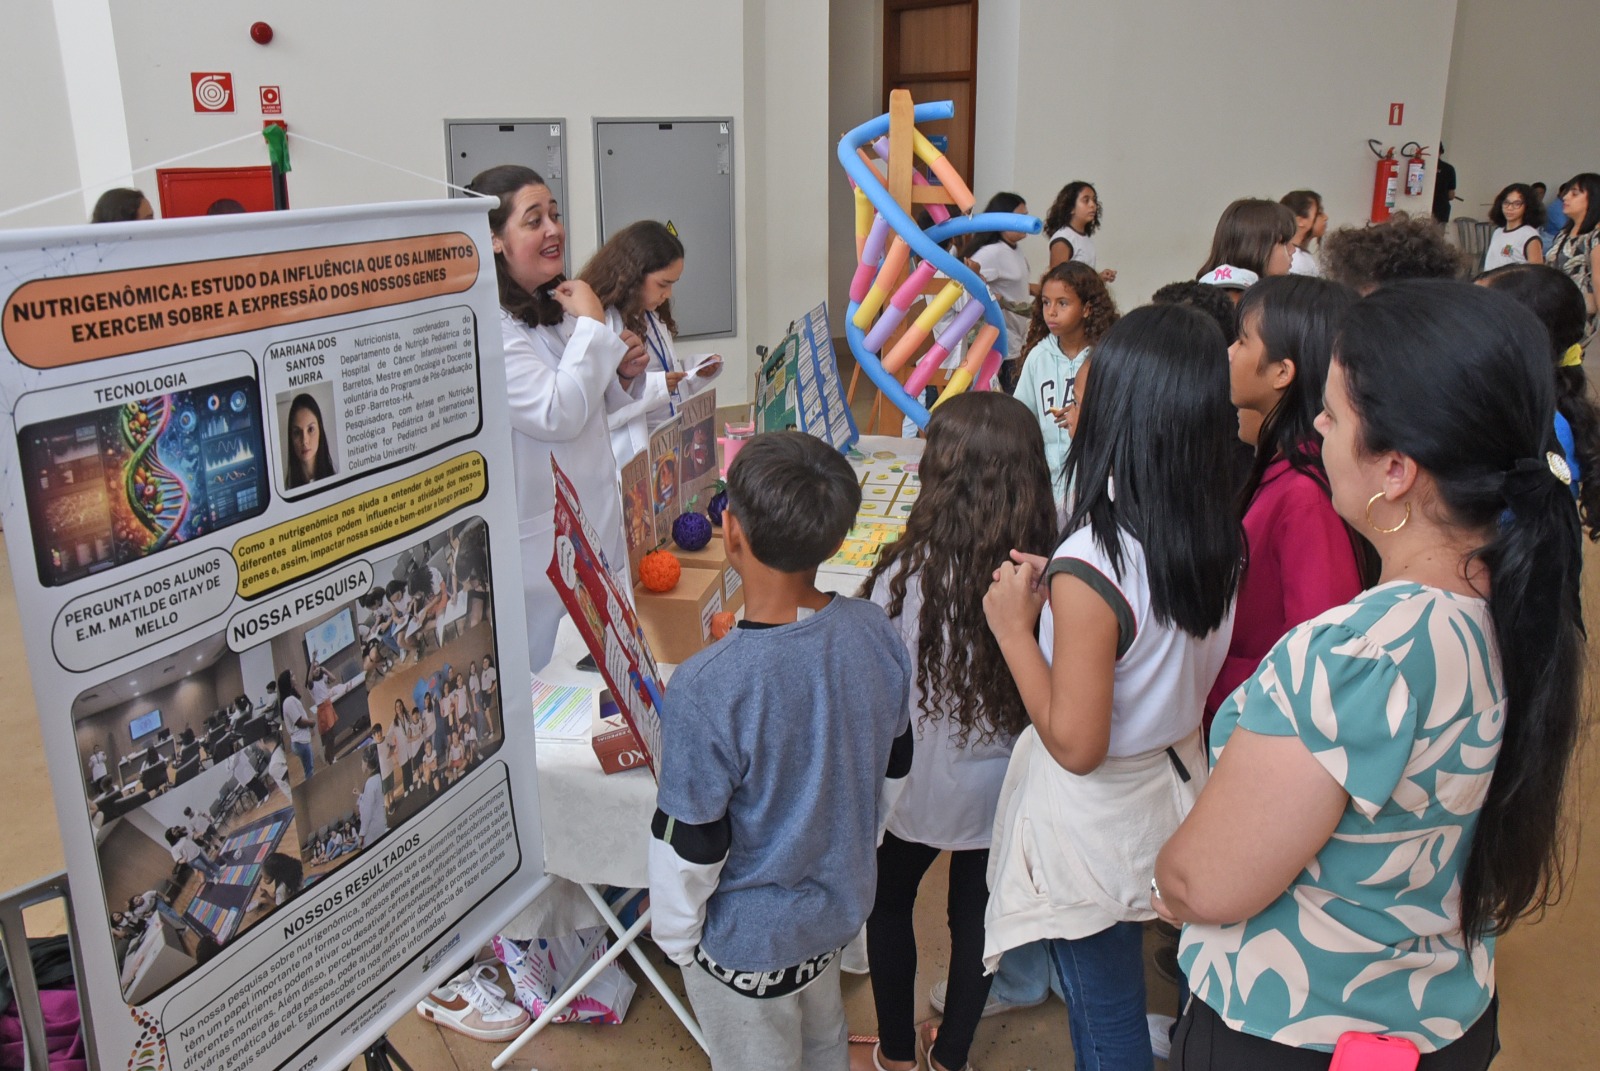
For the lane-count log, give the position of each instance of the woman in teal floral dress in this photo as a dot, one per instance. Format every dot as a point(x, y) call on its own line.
point(1387, 787)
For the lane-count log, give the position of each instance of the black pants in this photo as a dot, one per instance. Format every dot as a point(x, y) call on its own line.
point(1205, 1043)
point(892, 949)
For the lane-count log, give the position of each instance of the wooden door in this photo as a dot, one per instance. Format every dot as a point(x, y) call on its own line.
point(930, 47)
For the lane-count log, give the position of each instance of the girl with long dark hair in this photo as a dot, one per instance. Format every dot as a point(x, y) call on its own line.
point(1576, 249)
point(985, 490)
point(565, 369)
point(1073, 217)
point(310, 457)
point(1387, 795)
point(1140, 608)
point(1310, 221)
point(994, 255)
point(1302, 558)
point(633, 275)
point(1558, 303)
point(1254, 235)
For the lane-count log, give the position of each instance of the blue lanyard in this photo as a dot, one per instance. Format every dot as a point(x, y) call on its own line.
point(659, 348)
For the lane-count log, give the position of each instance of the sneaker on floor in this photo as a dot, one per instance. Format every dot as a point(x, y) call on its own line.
point(472, 1003)
point(992, 1006)
point(1161, 1034)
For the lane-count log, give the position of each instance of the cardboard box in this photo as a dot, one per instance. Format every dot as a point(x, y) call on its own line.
point(677, 623)
point(714, 555)
point(616, 746)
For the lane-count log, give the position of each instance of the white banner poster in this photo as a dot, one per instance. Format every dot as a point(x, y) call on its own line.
point(259, 511)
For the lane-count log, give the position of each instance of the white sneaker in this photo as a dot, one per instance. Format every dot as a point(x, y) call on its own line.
point(1160, 1034)
point(991, 1006)
point(472, 1003)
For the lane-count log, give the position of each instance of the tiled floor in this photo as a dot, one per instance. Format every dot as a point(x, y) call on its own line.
point(1549, 973)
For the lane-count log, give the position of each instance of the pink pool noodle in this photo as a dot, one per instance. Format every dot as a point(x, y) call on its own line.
point(898, 304)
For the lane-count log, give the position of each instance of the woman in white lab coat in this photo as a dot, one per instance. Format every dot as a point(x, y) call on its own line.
point(633, 275)
point(565, 369)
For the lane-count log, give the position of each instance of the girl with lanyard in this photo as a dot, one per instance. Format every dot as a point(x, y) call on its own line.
point(633, 275)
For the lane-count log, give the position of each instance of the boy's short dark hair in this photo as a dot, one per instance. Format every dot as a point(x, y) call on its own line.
point(1211, 300)
point(795, 497)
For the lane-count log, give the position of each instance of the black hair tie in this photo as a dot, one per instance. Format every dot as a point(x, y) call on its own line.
point(1523, 483)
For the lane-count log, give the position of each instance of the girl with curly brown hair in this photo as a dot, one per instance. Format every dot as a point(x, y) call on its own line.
point(985, 490)
point(1072, 312)
point(633, 275)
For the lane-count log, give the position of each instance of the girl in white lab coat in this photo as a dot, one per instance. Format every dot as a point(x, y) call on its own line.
point(633, 275)
point(564, 370)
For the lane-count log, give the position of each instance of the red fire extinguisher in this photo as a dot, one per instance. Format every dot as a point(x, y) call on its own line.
point(1416, 167)
point(1386, 184)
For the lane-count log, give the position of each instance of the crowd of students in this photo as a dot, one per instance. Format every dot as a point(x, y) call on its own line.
point(1340, 516)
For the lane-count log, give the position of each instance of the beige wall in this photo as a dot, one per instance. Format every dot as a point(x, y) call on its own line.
point(1173, 110)
point(1524, 101)
point(855, 94)
point(40, 158)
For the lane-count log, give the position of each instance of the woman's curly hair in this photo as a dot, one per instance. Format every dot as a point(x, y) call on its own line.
point(1406, 247)
point(985, 491)
point(1060, 214)
point(617, 272)
point(1099, 307)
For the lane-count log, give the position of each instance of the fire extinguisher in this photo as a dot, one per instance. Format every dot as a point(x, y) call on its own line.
point(1386, 184)
point(1416, 167)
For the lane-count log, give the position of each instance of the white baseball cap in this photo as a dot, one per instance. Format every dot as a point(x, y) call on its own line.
point(1228, 277)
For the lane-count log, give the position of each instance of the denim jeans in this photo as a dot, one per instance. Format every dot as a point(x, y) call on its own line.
point(207, 866)
point(303, 750)
point(1103, 975)
point(1025, 977)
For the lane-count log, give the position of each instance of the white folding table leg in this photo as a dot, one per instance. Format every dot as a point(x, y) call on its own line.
point(649, 969)
point(568, 995)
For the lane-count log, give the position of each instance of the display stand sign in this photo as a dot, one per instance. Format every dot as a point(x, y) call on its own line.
point(259, 511)
point(798, 387)
point(604, 616)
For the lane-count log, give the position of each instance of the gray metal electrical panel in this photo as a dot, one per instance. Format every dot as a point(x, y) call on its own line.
point(475, 145)
point(678, 171)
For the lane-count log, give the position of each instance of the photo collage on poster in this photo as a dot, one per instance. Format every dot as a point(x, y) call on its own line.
point(222, 783)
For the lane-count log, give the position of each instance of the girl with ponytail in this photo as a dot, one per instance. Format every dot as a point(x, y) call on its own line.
point(1388, 786)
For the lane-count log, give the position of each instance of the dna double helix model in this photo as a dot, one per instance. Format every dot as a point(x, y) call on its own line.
point(883, 290)
point(158, 498)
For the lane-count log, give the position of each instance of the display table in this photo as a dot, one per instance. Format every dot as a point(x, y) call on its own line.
point(597, 825)
point(596, 832)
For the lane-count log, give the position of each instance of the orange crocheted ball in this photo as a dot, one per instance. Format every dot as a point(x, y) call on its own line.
point(721, 624)
point(659, 571)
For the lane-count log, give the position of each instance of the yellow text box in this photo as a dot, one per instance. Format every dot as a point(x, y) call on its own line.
point(308, 544)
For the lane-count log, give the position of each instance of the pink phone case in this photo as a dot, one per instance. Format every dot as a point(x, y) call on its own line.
point(1373, 1052)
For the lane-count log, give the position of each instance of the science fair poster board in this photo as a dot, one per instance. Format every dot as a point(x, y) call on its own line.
point(237, 444)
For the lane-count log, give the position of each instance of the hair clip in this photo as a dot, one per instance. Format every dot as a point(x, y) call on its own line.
point(1559, 467)
point(1573, 358)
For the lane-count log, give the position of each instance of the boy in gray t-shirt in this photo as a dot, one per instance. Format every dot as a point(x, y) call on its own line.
point(782, 746)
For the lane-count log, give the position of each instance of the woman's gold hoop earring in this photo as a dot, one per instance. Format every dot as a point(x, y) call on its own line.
point(1385, 531)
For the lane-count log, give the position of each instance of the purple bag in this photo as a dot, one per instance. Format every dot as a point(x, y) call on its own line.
point(62, 1030)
